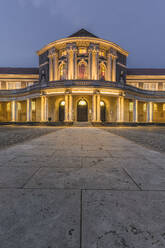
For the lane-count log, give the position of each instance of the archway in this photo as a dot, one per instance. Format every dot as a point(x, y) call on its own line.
point(102, 111)
point(62, 111)
point(82, 110)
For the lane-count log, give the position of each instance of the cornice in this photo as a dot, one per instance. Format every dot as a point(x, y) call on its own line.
point(18, 76)
point(57, 43)
point(144, 77)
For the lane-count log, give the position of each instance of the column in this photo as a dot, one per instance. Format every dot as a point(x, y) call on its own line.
point(44, 108)
point(135, 111)
point(50, 68)
point(89, 64)
point(70, 107)
point(95, 62)
point(150, 112)
point(55, 65)
point(120, 109)
point(94, 108)
point(28, 110)
point(114, 69)
point(109, 67)
point(71, 50)
point(98, 108)
point(13, 111)
point(75, 62)
point(66, 107)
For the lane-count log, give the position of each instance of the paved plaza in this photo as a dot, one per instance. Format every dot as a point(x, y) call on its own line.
point(82, 187)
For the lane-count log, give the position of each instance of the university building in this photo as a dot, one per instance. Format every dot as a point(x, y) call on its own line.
point(82, 78)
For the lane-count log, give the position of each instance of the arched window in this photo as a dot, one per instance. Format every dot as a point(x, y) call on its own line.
point(82, 70)
point(102, 71)
point(62, 70)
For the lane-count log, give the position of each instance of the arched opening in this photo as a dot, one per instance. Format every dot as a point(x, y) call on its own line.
point(82, 110)
point(62, 111)
point(82, 70)
point(102, 71)
point(62, 70)
point(102, 111)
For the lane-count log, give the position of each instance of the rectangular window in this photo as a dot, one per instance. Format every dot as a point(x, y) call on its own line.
point(155, 107)
point(131, 107)
point(102, 53)
point(163, 106)
point(144, 107)
point(82, 50)
point(33, 106)
point(17, 85)
point(141, 85)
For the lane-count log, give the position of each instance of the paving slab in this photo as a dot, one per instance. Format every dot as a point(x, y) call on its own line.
point(123, 219)
point(39, 218)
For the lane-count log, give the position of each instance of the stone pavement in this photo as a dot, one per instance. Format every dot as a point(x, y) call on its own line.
point(81, 188)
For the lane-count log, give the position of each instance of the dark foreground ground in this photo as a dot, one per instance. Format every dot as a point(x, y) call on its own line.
point(82, 187)
point(10, 135)
point(150, 137)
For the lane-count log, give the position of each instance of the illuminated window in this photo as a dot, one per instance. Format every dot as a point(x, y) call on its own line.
point(18, 106)
point(131, 106)
point(33, 105)
point(155, 107)
point(82, 103)
point(82, 70)
point(102, 53)
point(102, 103)
point(8, 107)
point(62, 103)
point(163, 106)
point(63, 53)
point(11, 85)
point(144, 107)
point(82, 50)
point(102, 71)
point(62, 71)
point(17, 85)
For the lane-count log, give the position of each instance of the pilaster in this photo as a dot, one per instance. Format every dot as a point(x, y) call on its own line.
point(109, 66)
point(55, 65)
point(135, 111)
point(120, 109)
point(71, 50)
point(13, 111)
point(28, 110)
point(149, 112)
point(66, 107)
point(44, 109)
point(94, 108)
point(51, 52)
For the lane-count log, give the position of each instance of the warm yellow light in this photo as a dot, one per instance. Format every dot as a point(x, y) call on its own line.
point(62, 103)
point(82, 102)
point(101, 103)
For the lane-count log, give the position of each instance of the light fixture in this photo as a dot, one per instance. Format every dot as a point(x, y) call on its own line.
point(82, 103)
point(62, 103)
point(102, 103)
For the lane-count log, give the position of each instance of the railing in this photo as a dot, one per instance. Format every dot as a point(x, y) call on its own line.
point(80, 83)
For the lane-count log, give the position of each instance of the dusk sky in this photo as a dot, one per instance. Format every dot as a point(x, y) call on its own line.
point(136, 25)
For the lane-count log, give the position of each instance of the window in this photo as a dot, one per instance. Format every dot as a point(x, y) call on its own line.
point(11, 85)
point(102, 71)
point(155, 107)
point(62, 71)
point(144, 107)
point(19, 106)
point(17, 85)
point(102, 53)
point(140, 84)
point(163, 106)
point(82, 70)
point(82, 50)
point(131, 106)
point(8, 107)
point(33, 105)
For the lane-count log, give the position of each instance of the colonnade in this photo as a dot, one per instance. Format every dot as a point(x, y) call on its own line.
point(121, 109)
point(72, 66)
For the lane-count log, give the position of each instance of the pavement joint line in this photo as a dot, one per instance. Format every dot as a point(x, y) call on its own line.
point(26, 182)
point(66, 189)
point(81, 217)
point(133, 180)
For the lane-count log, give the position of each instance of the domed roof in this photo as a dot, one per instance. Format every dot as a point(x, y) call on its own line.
point(83, 33)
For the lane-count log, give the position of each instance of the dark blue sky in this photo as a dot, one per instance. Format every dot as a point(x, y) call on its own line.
point(136, 25)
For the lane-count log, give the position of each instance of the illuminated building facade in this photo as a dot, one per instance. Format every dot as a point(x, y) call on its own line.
point(82, 78)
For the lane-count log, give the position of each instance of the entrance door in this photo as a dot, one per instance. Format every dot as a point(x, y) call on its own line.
point(82, 111)
point(62, 111)
point(103, 111)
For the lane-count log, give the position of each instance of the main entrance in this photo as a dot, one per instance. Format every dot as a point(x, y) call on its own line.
point(82, 111)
